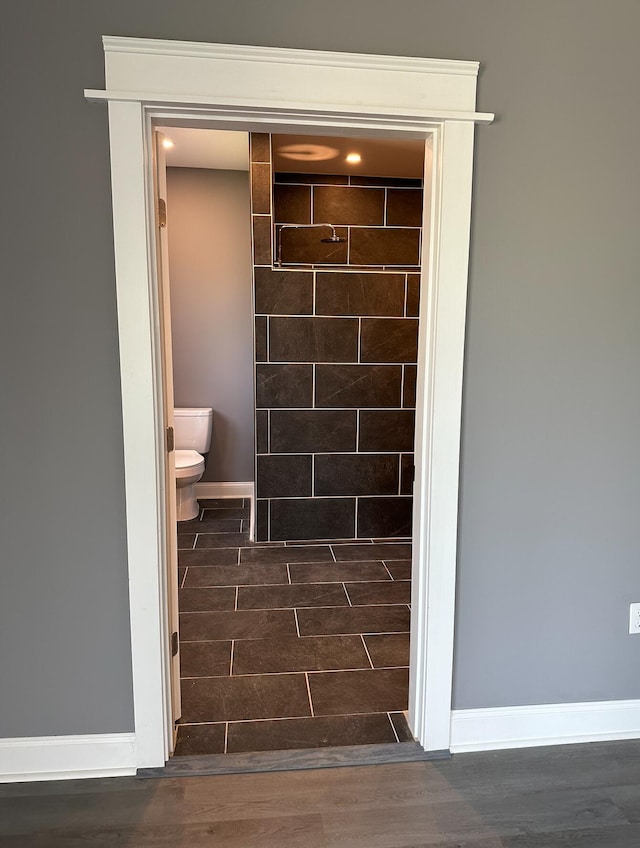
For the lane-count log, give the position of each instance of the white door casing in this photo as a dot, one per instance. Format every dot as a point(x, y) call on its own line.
point(268, 89)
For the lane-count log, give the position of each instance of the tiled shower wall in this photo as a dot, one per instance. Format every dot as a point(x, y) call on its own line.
point(336, 347)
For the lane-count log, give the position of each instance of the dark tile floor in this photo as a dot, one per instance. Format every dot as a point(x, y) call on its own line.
point(289, 645)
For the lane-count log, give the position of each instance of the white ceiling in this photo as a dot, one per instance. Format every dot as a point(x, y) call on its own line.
point(229, 151)
point(216, 149)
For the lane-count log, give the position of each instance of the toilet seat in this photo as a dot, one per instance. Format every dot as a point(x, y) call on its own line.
point(188, 463)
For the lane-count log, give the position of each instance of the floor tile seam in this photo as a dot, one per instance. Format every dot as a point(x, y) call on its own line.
point(233, 642)
point(384, 565)
point(293, 583)
point(362, 639)
point(284, 718)
point(294, 673)
point(393, 728)
point(306, 678)
point(302, 636)
point(347, 605)
point(344, 586)
point(295, 614)
point(184, 577)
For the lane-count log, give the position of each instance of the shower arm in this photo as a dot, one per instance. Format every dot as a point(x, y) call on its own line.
point(282, 227)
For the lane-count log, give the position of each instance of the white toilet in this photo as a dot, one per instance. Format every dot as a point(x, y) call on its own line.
point(192, 438)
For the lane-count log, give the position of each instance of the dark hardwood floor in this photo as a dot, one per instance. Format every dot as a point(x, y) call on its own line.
point(581, 796)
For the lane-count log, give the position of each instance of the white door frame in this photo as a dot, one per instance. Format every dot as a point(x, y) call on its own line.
point(268, 89)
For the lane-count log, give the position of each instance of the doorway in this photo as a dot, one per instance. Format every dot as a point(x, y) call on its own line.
point(268, 89)
point(303, 642)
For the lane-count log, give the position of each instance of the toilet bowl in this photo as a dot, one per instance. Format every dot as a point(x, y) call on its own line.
point(189, 469)
point(192, 438)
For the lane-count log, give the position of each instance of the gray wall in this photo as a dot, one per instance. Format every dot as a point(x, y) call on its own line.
point(550, 479)
point(209, 226)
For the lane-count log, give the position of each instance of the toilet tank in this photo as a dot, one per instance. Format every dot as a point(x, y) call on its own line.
point(192, 427)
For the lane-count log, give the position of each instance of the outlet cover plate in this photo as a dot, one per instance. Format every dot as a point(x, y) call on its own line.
point(634, 618)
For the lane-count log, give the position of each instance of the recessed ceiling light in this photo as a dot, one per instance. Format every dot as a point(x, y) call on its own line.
point(167, 143)
point(354, 158)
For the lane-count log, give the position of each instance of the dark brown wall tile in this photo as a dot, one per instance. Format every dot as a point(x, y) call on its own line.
point(358, 385)
point(284, 476)
point(313, 339)
point(292, 204)
point(413, 295)
point(313, 430)
point(262, 521)
point(261, 240)
point(317, 518)
point(311, 179)
point(409, 388)
point(284, 385)
point(404, 207)
point(261, 189)
point(384, 246)
point(351, 474)
point(386, 430)
point(305, 246)
point(389, 340)
point(407, 474)
point(347, 205)
point(260, 146)
point(384, 517)
point(349, 293)
point(261, 338)
point(262, 431)
point(283, 292)
point(386, 181)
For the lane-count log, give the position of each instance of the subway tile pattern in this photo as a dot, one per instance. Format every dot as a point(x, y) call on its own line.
point(336, 337)
point(292, 646)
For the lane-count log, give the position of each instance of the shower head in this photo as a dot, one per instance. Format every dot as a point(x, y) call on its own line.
point(334, 238)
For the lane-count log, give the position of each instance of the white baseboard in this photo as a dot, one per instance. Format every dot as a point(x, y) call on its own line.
point(544, 724)
point(66, 757)
point(224, 490)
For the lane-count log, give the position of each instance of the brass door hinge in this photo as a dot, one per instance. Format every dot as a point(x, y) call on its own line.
point(162, 213)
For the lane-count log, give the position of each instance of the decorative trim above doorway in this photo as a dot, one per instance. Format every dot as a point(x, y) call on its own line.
point(264, 89)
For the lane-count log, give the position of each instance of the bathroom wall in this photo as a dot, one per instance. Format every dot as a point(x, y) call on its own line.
point(336, 345)
point(209, 227)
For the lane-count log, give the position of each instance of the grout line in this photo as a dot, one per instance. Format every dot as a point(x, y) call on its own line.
point(295, 615)
point(306, 677)
point(344, 586)
point(235, 604)
point(359, 339)
point(332, 553)
point(313, 293)
point(367, 650)
point(393, 728)
point(385, 208)
point(226, 735)
point(233, 642)
point(277, 609)
point(296, 672)
point(387, 570)
point(195, 542)
point(238, 562)
point(184, 576)
point(406, 293)
point(289, 574)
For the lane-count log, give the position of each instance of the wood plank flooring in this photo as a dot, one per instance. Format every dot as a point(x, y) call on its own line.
point(581, 796)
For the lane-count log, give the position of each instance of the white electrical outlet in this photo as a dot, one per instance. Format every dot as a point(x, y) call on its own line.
point(634, 618)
